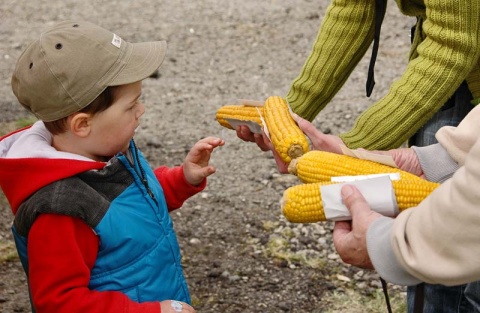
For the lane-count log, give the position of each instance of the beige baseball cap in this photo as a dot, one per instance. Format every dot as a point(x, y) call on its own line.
point(73, 62)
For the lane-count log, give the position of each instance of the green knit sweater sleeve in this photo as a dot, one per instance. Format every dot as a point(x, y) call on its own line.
point(445, 57)
point(344, 37)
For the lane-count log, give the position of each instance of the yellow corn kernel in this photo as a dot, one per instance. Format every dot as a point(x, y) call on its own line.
point(303, 203)
point(238, 112)
point(287, 138)
point(315, 166)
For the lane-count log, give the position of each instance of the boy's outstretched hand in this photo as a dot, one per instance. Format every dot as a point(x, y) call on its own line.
point(195, 166)
point(173, 306)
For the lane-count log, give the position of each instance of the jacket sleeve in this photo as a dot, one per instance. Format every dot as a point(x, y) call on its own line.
point(448, 53)
point(343, 38)
point(440, 161)
point(61, 253)
point(445, 57)
point(459, 140)
point(436, 163)
point(175, 186)
point(437, 242)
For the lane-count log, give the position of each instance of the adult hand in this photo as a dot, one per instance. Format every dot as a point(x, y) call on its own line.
point(350, 237)
point(405, 158)
point(262, 141)
point(319, 140)
point(244, 133)
point(173, 306)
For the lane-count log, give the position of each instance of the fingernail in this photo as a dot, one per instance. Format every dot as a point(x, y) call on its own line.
point(346, 191)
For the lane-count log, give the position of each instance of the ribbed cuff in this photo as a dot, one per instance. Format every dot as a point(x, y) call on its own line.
point(381, 253)
point(436, 163)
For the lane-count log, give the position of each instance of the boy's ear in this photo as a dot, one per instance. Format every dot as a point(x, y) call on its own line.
point(79, 124)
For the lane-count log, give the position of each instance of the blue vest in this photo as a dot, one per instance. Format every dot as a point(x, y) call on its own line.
point(124, 204)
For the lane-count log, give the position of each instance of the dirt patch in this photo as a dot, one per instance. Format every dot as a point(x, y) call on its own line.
point(239, 253)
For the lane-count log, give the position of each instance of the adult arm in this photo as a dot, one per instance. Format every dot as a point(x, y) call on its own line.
point(62, 251)
point(440, 161)
point(436, 242)
point(447, 54)
point(459, 140)
point(343, 38)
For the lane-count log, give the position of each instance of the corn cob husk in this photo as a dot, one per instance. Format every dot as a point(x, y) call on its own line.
point(238, 112)
point(303, 203)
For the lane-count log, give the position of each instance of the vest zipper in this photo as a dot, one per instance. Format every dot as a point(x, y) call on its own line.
point(142, 174)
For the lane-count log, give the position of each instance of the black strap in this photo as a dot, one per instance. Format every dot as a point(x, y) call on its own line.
point(385, 293)
point(412, 32)
point(380, 9)
point(419, 299)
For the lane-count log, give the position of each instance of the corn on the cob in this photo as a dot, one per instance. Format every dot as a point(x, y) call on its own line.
point(238, 112)
point(315, 166)
point(303, 203)
point(287, 138)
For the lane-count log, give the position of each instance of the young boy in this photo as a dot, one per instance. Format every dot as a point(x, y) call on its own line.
point(91, 217)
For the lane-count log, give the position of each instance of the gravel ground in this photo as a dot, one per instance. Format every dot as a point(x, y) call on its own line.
point(239, 253)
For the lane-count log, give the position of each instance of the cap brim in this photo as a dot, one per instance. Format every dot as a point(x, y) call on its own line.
point(145, 59)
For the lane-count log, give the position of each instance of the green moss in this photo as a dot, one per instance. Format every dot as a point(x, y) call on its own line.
point(8, 252)
point(353, 301)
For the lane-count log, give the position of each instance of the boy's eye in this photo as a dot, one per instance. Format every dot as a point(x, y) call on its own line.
point(137, 102)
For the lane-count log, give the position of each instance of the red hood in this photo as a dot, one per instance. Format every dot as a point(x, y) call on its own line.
point(20, 178)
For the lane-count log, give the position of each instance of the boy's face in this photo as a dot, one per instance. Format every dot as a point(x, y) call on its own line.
point(113, 128)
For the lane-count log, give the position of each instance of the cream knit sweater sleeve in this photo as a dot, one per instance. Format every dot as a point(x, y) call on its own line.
point(459, 140)
point(447, 54)
point(436, 241)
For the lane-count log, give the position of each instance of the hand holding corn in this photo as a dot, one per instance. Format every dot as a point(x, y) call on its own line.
point(350, 238)
point(303, 203)
point(317, 166)
point(319, 140)
point(287, 138)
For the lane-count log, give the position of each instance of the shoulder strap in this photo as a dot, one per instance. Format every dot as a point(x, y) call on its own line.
point(419, 298)
point(385, 293)
point(380, 9)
